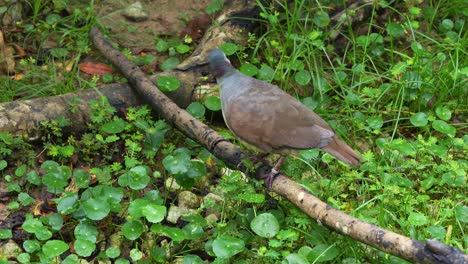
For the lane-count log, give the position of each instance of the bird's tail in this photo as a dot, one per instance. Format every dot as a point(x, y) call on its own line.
point(342, 151)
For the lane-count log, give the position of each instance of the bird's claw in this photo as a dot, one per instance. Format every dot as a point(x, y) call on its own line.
point(270, 177)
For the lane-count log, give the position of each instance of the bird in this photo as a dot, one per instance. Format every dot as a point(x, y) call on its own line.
point(267, 118)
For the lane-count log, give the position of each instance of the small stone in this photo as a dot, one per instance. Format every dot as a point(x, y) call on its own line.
point(188, 200)
point(172, 185)
point(136, 12)
point(10, 250)
point(212, 198)
point(176, 212)
point(211, 218)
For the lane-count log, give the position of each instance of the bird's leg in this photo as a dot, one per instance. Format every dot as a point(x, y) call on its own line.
point(269, 177)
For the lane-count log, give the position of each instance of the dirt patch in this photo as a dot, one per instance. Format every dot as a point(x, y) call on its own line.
point(166, 17)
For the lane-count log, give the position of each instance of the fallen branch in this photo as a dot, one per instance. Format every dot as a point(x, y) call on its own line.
point(23, 118)
point(387, 241)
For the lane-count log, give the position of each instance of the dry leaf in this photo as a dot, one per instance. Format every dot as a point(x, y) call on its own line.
point(95, 68)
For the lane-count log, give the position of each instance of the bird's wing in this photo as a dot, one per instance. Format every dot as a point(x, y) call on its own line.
point(272, 120)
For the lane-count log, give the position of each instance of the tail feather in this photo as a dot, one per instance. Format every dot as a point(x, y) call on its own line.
point(342, 151)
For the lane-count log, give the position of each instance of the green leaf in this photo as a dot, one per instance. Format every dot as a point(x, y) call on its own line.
point(5, 233)
point(196, 109)
point(71, 259)
point(419, 119)
point(56, 177)
point(31, 246)
point(302, 77)
point(84, 247)
point(136, 254)
point(461, 213)
point(54, 220)
point(395, 30)
point(446, 25)
point(20, 171)
point(192, 259)
point(168, 83)
point(322, 253)
point(417, 219)
point(213, 103)
point(3, 164)
point(170, 64)
point(182, 48)
point(54, 248)
point(96, 209)
point(132, 229)
point(114, 127)
point(113, 252)
point(154, 213)
point(443, 113)
point(321, 19)
point(403, 147)
point(437, 232)
point(162, 46)
point(174, 233)
point(32, 225)
point(178, 162)
point(399, 68)
point(82, 178)
point(24, 258)
point(295, 259)
point(443, 127)
point(310, 102)
point(352, 99)
point(252, 197)
point(53, 19)
point(375, 122)
point(33, 177)
point(265, 225)
point(67, 204)
point(138, 178)
point(266, 73)
point(197, 169)
point(227, 246)
point(248, 69)
point(86, 231)
point(229, 48)
point(135, 208)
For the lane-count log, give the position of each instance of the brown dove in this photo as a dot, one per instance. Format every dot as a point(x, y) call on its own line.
point(264, 116)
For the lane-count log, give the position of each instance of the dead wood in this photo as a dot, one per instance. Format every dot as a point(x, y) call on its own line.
point(23, 118)
point(372, 235)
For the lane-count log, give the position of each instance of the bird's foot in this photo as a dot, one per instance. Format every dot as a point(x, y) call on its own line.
point(270, 177)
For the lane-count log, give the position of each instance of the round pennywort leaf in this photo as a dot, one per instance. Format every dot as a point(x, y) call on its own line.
point(443, 113)
point(54, 248)
point(132, 229)
point(443, 127)
point(196, 109)
point(302, 77)
point(227, 246)
point(419, 119)
point(168, 83)
point(248, 69)
point(229, 48)
point(213, 103)
point(265, 225)
point(84, 247)
point(96, 209)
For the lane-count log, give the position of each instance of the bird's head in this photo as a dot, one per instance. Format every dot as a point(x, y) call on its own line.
point(219, 63)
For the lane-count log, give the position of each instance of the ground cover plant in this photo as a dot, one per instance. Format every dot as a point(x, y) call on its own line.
point(394, 86)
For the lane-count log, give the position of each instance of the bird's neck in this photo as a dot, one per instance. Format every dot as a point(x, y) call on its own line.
point(221, 69)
